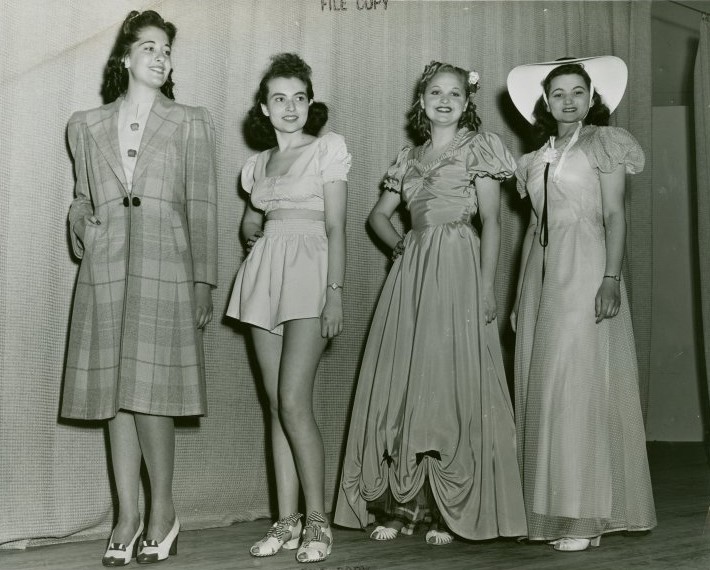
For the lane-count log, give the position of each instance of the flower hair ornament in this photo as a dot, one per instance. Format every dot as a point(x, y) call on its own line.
point(473, 82)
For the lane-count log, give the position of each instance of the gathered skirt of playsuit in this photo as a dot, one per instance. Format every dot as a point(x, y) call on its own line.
point(432, 405)
point(284, 275)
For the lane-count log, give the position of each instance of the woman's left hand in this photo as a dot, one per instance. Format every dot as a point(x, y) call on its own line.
point(203, 304)
point(490, 308)
point(331, 319)
point(608, 300)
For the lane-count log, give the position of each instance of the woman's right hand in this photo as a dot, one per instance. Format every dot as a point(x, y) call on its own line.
point(252, 240)
point(397, 250)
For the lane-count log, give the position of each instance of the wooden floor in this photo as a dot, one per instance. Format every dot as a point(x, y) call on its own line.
point(681, 479)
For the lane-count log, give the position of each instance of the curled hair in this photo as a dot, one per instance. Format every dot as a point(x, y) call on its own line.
point(418, 123)
point(115, 73)
point(545, 124)
point(258, 129)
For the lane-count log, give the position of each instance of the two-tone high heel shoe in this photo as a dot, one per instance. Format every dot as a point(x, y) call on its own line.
point(317, 539)
point(284, 533)
point(153, 551)
point(119, 554)
point(567, 544)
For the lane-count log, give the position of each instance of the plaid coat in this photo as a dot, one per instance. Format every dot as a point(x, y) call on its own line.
point(133, 343)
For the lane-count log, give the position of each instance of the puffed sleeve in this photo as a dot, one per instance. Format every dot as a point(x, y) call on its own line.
point(335, 159)
point(393, 177)
point(488, 157)
point(521, 174)
point(248, 173)
point(81, 206)
point(612, 146)
point(201, 195)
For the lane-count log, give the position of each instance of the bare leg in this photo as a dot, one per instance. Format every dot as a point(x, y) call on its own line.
point(157, 440)
point(268, 352)
point(126, 464)
point(301, 352)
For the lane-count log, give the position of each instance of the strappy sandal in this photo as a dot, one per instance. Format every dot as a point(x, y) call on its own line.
point(384, 533)
point(317, 539)
point(438, 537)
point(284, 533)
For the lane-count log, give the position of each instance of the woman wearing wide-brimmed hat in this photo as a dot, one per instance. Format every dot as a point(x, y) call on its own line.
point(581, 439)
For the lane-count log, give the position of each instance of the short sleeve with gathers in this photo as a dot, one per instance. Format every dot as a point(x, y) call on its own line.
point(488, 157)
point(393, 178)
point(248, 173)
point(521, 174)
point(335, 160)
point(611, 146)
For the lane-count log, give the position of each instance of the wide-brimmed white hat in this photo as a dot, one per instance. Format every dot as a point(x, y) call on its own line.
point(607, 72)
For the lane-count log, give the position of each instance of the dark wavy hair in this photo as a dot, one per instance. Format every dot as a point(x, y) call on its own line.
point(418, 124)
point(258, 129)
point(115, 81)
point(545, 124)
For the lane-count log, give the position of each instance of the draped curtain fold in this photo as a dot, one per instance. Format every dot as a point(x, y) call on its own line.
point(54, 475)
point(702, 165)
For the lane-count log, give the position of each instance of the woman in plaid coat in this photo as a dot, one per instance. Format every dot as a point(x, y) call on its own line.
point(144, 224)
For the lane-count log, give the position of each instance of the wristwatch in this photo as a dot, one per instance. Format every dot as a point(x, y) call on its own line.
point(334, 286)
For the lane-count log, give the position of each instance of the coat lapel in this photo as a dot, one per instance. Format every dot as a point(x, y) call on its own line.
point(103, 126)
point(165, 117)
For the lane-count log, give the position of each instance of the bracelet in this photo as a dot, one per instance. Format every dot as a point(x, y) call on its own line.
point(335, 286)
point(614, 277)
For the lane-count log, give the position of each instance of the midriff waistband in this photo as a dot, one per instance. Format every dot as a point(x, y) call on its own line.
point(295, 214)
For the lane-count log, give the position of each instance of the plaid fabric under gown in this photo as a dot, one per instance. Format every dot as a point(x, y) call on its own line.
point(133, 343)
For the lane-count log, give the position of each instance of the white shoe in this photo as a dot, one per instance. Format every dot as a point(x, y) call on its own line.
point(384, 533)
point(153, 551)
point(439, 537)
point(284, 533)
point(118, 554)
point(567, 544)
point(317, 541)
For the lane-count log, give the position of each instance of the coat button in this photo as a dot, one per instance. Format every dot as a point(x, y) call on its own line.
point(126, 201)
point(136, 201)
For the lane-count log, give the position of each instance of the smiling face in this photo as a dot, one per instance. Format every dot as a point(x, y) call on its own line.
point(444, 99)
point(568, 98)
point(287, 104)
point(148, 61)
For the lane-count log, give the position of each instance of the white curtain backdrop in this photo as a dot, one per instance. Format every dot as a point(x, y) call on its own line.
point(54, 474)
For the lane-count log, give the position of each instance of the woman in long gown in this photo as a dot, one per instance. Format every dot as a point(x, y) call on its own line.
point(581, 439)
point(432, 430)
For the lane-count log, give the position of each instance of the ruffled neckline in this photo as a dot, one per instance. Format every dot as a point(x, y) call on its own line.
point(451, 149)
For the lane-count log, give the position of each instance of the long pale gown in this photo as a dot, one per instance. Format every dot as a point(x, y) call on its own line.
point(581, 439)
point(432, 404)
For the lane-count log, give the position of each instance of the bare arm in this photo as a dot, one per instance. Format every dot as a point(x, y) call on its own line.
point(488, 191)
point(335, 202)
point(252, 224)
point(608, 299)
point(379, 218)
